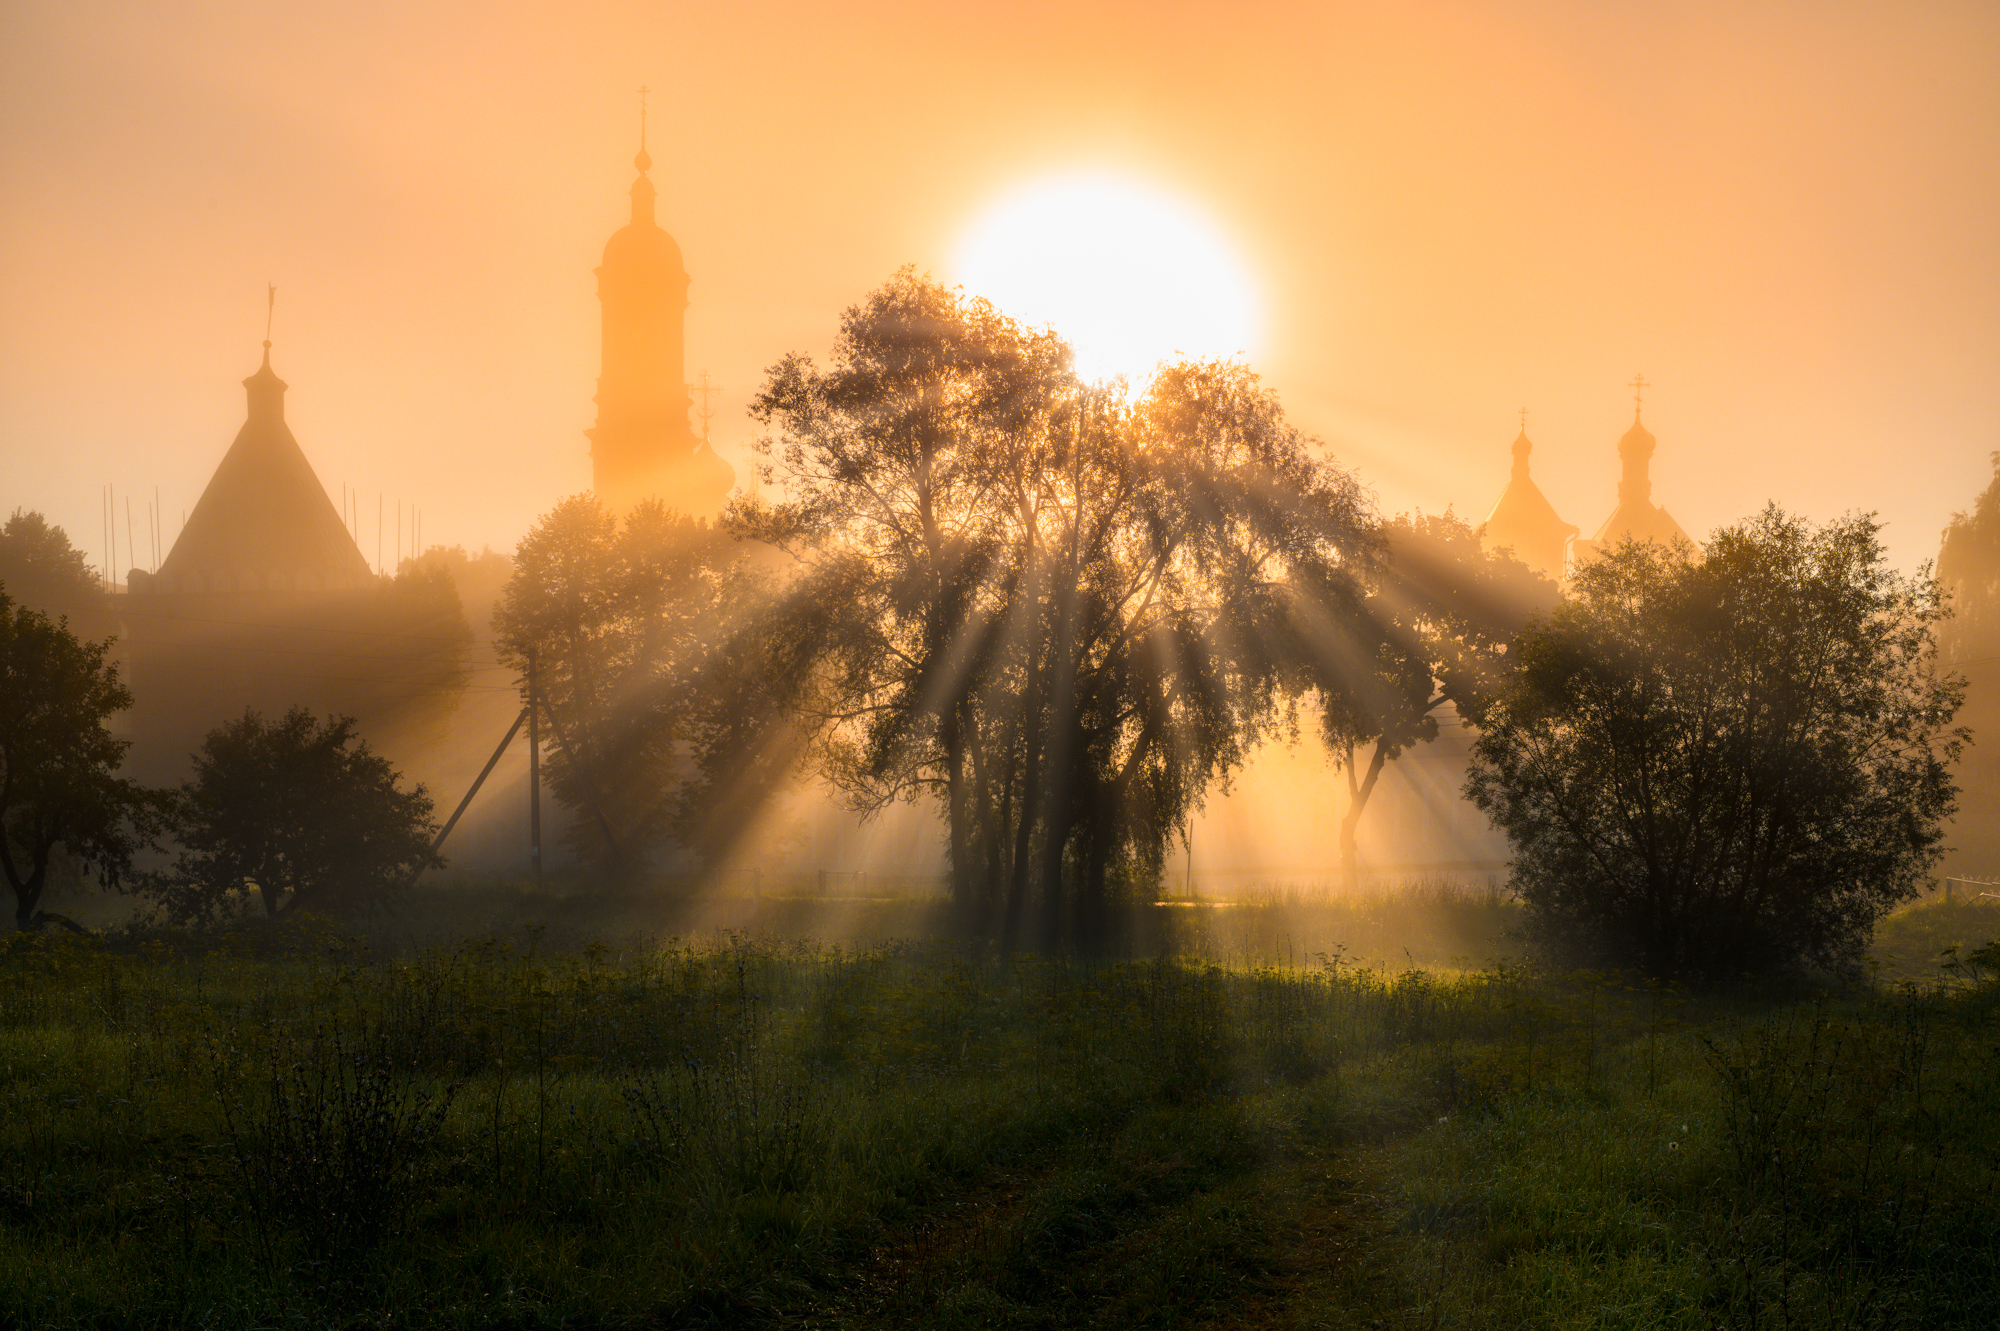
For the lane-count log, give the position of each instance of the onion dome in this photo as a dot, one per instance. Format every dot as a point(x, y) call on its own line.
point(1524, 521)
point(1637, 517)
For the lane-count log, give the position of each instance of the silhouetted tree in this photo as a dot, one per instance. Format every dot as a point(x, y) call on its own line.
point(1062, 611)
point(1713, 767)
point(629, 626)
point(1439, 615)
point(1968, 566)
point(59, 782)
point(896, 462)
point(1186, 545)
point(43, 571)
point(301, 810)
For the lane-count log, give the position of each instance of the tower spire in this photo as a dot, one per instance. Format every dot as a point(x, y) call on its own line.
point(643, 192)
point(270, 313)
point(644, 159)
point(707, 386)
point(1638, 387)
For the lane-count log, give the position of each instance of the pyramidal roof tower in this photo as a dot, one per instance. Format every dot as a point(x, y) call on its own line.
point(642, 446)
point(1523, 519)
point(264, 523)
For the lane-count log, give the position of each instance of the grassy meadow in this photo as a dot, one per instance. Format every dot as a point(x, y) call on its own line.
point(1268, 1116)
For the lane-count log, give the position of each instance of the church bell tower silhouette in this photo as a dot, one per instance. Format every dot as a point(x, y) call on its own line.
point(642, 446)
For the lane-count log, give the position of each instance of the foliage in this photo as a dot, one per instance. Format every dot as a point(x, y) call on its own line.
point(1441, 612)
point(1061, 611)
point(59, 782)
point(918, 1136)
point(1968, 567)
point(1713, 767)
point(635, 631)
point(337, 1148)
point(300, 809)
point(41, 570)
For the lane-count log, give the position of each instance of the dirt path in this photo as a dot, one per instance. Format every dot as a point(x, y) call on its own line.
point(1196, 1221)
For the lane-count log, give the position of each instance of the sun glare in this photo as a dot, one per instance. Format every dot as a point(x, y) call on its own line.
point(1129, 275)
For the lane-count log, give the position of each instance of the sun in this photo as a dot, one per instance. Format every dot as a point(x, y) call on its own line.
point(1130, 276)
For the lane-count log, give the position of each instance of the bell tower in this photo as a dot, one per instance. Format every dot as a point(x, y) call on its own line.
point(642, 446)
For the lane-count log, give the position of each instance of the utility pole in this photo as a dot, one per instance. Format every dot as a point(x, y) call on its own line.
point(534, 775)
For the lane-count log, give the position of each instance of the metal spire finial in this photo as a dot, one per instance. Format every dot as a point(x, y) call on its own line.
point(644, 159)
point(1638, 387)
point(270, 311)
point(707, 386)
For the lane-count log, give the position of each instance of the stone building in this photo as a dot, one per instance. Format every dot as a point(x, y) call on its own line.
point(265, 602)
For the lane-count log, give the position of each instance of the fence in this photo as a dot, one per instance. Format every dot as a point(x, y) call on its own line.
point(1977, 891)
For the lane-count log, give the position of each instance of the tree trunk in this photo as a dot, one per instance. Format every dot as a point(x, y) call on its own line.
point(27, 891)
point(1358, 792)
point(26, 897)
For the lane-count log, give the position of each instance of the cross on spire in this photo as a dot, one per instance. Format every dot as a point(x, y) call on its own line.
point(642, 159)
point(1524, 420)
point(1638, 387)
point(707, 386)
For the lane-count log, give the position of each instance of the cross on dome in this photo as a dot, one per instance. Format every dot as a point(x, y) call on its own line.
point(644, 160)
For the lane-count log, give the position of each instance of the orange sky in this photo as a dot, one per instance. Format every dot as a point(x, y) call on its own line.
point(1785, 215)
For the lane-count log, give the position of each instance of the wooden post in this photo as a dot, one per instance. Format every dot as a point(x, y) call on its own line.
point(534, 776)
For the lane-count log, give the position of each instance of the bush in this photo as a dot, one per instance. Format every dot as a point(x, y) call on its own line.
point(1723, 765)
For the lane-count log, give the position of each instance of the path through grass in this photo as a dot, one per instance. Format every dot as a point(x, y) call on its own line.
point(750, 1133)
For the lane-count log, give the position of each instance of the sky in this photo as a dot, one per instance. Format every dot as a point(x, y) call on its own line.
point(1784, 215)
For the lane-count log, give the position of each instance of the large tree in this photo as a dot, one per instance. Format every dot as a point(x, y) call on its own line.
point(631, 629)
point(1435, 628)
point(300, 810)
point(896, 461)
point(59, 782)
point(1708, 766)
point(1063, 610)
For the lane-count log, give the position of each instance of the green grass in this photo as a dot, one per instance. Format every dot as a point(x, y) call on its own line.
point(292, 1130)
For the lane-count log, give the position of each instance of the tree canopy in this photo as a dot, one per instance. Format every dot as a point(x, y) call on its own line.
point(1714, 766)
point(299, 809)
point(634, 630)
point(1968, 567)
point(59, 761)
point(1439, 616)
point(1061, 609)
point(43, 571)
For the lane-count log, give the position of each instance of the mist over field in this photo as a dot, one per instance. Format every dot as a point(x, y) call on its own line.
point(1024, 666)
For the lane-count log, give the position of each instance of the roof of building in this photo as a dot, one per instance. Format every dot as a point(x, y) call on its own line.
point(1637, 517)
point(265, 521)
point(1524, 520)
